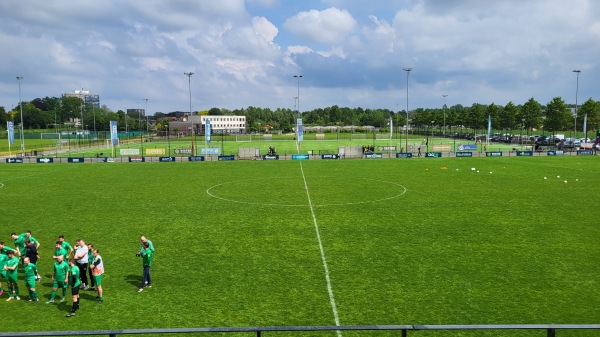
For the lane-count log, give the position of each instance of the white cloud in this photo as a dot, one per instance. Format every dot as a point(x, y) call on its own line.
point(264, 28)
point(331, 25)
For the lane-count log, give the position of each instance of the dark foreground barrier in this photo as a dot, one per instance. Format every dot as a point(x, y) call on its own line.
point(404, 329)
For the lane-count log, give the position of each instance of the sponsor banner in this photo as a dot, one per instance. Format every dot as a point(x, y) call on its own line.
point(300, 157)
point(151, 152)
point(211, 151)
point(524, 153)
point(441, 148)
point(196, 158)
point(226, 158)
point(105, 160)
point(464, 154)
point(166, 159)
point(183, 151)
point(374, 155)
point(386, 148)
point(330, 156)
point(45, 160)
point(556, 153)
point(76, 160)
point(207, 131)
point(137, 159)
point(14, 160)
point(467, 147)
point(585, 152)
point(129, 152)
point(114, 134)
point(300, 131)
point(404, 155)
point(433, 155)
point(493, 154)
point(11, 132)
point(271, 157)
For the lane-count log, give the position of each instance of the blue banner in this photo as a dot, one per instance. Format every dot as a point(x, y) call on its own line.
point(11, 132)
point(300, 130)
point(14, 160)
point(226, 158)
point(45, 160)
point(271, 157)
point(166, 159)
point(196, 158)
point(210, 150)
point(114, 134)
point(467, 147)
point(556, 153)
point(585, 152)
point(493, 154)
point(464, 154)
point(300, 157)
point(374, 155)
point(524, 153)
point(76, 160)
point(404, 155)
point(207, 131)
point(433, 155)
point(330, 156)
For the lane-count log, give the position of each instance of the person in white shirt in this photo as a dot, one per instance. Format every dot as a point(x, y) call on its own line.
point(81, 258)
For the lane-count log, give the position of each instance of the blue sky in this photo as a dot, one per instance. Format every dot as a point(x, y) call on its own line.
point(350, 53)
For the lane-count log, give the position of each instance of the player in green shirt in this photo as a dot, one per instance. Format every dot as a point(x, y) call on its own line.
point(19, 241)
point(11, 267)
point(32, 239)
point(66, 246)
point(3, 259)
point(60, 251)
point(90, 260)
point(60, 278)
point(31, 272)
point(74, 282)
point(142, 248)
point(146, 263)
point(4, 249)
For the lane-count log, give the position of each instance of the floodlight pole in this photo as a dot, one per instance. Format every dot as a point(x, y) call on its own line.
point(19, 78)
point(298, 77)
point(189, 75)
point(408, 70)
point(576, 94)
point(444, 95)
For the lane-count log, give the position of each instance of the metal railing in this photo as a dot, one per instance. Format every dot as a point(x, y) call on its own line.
point(404, 329)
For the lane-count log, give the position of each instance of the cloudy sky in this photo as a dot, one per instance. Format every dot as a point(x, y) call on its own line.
point(349, 52)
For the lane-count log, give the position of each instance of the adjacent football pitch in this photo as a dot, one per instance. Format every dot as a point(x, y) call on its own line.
point(349, 242)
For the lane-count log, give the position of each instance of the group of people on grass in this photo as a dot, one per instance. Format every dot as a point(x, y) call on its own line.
point(72, 266)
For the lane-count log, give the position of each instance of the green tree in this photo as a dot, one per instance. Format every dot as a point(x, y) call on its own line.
point(3, 117)
point(508, 117)
point(558, 115)
point(531, 114)
point(590, 108)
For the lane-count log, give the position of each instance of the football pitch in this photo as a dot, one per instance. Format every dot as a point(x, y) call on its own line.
point(349, 242)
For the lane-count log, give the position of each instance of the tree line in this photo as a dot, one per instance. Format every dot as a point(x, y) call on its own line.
point(555, 116)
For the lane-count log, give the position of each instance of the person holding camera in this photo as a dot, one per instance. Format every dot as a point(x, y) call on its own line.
point(146, 255)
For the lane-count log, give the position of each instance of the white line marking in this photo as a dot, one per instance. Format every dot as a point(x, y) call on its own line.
point(210, 191)
point(1, 185)
point(327, 278)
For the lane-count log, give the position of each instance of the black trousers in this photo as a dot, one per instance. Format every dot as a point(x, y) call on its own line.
point(83, 273)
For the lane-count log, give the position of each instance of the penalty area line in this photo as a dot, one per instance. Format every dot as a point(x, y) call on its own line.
point(327, 278)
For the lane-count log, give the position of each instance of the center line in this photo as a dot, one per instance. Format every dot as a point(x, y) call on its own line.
point(327, 278)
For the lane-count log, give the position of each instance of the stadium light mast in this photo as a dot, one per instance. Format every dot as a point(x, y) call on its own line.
point(189, 75)
point(576, 94)
point(298, 77)
point(445, 95)
point(408, 70)
point(19, 78)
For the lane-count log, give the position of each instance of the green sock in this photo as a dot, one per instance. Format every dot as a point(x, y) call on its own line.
point(53, 295)
point(35, 297)
point(101, 299)
point(16, 289)
point(64, 292)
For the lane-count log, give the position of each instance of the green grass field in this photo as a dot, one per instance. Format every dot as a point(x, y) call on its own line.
point(418, 241)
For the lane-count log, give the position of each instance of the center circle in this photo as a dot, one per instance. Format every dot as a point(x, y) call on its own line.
point(291, 192)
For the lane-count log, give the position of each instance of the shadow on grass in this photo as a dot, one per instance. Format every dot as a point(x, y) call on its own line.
point(134, 280)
